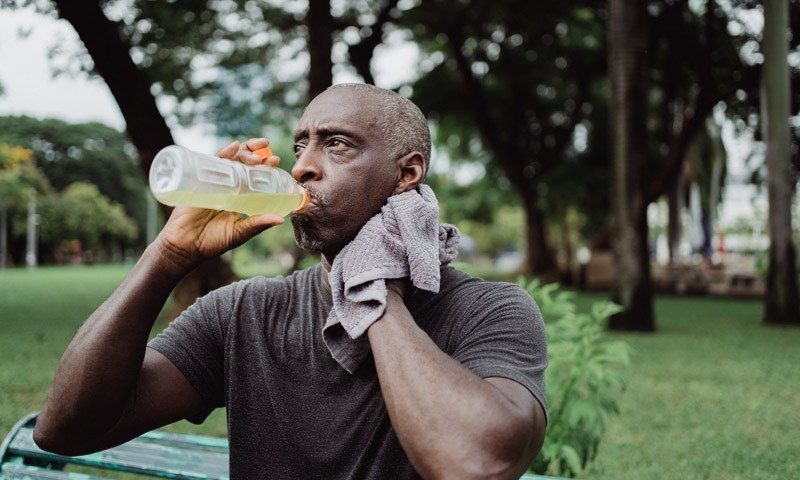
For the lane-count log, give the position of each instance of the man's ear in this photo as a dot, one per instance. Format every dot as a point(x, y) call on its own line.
point(412, 172)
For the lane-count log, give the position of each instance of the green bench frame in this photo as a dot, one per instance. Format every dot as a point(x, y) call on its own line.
point(155, 454)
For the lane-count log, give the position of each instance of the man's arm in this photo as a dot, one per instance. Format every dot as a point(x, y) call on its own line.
point(109, 387)
point(450, 422)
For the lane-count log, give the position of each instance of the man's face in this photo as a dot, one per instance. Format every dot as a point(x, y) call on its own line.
point(341, 160)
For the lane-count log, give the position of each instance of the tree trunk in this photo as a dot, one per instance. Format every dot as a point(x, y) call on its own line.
point(781, 303)
point(674, 227)
point(540, 259)
point(3, 231)
point(146, 126)
point(319, 22)
point(361, 53)
point(632, 286)
point(130, 86)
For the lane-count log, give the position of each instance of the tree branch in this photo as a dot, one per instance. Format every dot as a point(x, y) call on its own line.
point(362, 52)
point(694, 116)
point(129, 85)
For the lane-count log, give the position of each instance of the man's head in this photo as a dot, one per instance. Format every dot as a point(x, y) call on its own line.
point(356, 145)
point(402, 124)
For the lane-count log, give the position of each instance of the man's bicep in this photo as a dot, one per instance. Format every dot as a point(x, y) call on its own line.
point(163, 395)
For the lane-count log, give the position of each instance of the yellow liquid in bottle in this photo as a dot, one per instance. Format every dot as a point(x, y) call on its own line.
point(249, 203)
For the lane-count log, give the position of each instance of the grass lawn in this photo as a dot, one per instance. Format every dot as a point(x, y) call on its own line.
point(714, 394)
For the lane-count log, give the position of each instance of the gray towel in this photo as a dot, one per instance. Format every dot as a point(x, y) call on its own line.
point(404, 240)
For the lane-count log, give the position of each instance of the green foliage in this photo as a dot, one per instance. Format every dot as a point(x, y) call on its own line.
point(583, 378)
point(84, 214)
point(86, 152)
point(18, 173)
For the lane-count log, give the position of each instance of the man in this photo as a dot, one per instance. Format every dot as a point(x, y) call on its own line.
point(453, 387)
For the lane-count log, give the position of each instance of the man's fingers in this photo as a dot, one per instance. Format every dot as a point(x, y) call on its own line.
point(272, 161)
point(229, 151)
point(243, 152)
point(254, 144)
point(246, 154)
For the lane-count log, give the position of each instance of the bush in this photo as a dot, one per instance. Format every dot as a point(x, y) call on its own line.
point(582, 378)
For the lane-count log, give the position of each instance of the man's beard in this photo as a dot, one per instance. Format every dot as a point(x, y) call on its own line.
point(303, 233)
point(303, 237)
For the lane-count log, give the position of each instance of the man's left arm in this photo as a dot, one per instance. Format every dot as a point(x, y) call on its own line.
point(450, 422)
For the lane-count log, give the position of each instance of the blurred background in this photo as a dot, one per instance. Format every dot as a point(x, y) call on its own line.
point(640, 151)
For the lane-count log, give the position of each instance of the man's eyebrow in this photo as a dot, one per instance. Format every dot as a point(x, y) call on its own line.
point(328, 131)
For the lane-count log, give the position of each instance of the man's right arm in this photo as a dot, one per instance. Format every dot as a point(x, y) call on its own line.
point(109, 387)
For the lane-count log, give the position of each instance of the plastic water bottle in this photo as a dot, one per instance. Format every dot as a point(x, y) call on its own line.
point(179, 176)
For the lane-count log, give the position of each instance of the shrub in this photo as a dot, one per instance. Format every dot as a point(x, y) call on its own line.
point(582, 378)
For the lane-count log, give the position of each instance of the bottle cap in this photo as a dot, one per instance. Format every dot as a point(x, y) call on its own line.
point(264, 153)
point(305, 199)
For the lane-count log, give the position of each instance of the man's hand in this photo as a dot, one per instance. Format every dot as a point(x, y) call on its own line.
point(192, 235)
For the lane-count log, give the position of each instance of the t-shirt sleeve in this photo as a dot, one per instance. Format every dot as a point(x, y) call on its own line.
point(504, 336)
point(195, 343)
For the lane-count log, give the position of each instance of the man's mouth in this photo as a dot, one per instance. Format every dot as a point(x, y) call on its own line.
point(315, 198)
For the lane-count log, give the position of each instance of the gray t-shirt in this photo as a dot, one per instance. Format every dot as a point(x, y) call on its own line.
point(256, 348)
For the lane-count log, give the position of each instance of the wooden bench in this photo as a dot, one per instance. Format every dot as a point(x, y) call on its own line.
point(154, 454)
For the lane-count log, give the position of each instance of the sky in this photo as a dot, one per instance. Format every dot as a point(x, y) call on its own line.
point(31, 89)
point(26, 75)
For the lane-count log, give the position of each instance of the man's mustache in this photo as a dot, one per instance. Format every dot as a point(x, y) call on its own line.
point(317, 198)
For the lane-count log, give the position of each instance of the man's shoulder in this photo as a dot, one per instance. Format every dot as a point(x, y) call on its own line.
point(462, 294)
point(455, 281)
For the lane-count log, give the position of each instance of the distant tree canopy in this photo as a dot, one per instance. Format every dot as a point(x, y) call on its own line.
point(86, 152)
point(89, 191)
point(81, 213)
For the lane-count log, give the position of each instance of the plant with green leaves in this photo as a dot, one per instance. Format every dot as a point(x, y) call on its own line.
point(583, 378)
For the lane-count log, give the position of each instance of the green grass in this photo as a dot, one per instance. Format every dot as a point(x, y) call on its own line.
point(713, 394)
point(40, 311)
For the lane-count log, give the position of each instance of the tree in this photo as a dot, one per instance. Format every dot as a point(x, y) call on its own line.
point(688, 87)
point(781, 303)
point(86, 152)
point(520, 79)
point(19, 178)
point(627, 46)
point(156, 48)
point(81, 213)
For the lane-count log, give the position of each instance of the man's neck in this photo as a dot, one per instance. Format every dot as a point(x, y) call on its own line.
point(326, 270)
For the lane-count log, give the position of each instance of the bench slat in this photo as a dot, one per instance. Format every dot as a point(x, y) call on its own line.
point(18, 471)
point(136, 457)
point(200, 442)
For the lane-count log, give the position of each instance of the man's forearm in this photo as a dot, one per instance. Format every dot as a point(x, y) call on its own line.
point(450, 421)
point(97, 374)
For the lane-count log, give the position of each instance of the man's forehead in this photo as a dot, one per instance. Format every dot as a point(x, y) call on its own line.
point(340, 108)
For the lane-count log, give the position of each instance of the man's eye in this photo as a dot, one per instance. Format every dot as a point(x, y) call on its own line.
point(298, 147)
point(337, 144)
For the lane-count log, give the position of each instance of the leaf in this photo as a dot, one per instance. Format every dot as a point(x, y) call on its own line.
point(571, 458)
point(603, 309)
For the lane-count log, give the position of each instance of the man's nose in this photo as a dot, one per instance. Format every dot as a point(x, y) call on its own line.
point(306, 168)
